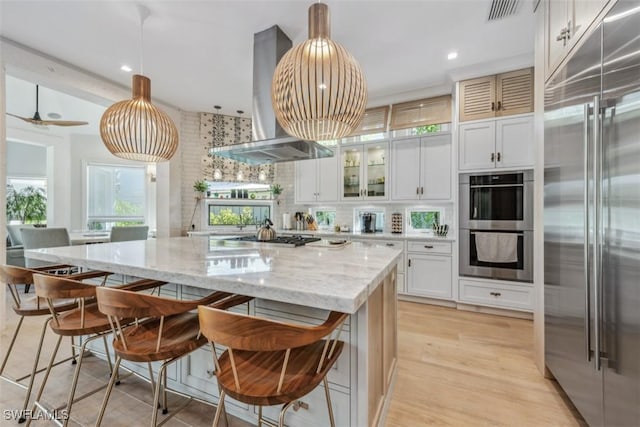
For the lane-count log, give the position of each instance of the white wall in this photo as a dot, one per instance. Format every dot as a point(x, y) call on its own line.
point(26, 160)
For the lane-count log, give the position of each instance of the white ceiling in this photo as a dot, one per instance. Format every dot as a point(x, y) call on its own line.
point(199, 53)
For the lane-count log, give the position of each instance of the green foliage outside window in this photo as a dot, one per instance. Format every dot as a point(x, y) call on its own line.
point(427, 129)
point(424, 220)
point(228, 217)
point(28, 205)
point(326, 219)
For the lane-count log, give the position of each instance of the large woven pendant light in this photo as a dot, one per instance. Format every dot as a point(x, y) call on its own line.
point(318, 90)
point(136, 129)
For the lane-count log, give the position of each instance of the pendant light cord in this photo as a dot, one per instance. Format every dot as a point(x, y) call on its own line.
point(144, 14)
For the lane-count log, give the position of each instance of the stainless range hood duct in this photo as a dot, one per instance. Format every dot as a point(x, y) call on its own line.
point(271, 144)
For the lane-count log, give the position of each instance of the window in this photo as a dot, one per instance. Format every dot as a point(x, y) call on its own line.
point(325, 218)
point(423, 218)
point(115, 196)
point(227, 214)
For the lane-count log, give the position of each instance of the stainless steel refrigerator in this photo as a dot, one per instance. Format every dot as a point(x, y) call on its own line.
point(592, 222)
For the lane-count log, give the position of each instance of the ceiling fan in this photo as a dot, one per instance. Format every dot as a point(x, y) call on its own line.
point(36, 120)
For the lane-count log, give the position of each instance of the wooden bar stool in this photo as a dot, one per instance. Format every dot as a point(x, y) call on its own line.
point(86, 319)
point(270, 363)
point(165, 330)
point(30, 306)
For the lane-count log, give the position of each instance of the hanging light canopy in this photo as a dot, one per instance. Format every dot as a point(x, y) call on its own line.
point(136, 129)
point(318, 90)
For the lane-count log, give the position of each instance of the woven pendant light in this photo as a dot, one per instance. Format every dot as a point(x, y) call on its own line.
point(318, 90)
point(136, 129)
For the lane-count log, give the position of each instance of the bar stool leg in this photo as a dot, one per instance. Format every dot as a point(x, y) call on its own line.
point(283, 412)
point(73, 351)
point(260, 416)
point(156, 395)
point(13, 341)
point(105, 400)
point(219, 409)
point(165, 409)
point(226, 416)
point(44, 383)
point(327, 393)
point(35, 365)
point(76, 375)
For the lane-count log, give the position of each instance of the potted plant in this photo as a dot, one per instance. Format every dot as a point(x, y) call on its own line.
point(276, 190)
point(201, 187)
point(28, 205)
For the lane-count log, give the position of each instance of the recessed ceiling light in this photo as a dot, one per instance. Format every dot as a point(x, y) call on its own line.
point(452, 55)
point(126, 68)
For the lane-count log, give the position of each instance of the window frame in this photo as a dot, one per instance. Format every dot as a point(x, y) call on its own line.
point(143, 219)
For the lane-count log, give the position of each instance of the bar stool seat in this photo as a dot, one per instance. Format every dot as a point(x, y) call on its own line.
point(142, 339)
point(35, 306)
point(261, 374)
point(76, 323)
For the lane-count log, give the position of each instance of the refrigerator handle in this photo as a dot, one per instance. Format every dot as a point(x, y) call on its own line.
point(588, 110)
point(597, 226)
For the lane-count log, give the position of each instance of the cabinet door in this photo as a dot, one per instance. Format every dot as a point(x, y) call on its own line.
point(405, 169)
point(514, 142)
point(429, 275)
point(327, 184)
point(477, 145)
point(376, 171)
point(514, 92)
point(556, 23)
point(306, 177)
point(584, 13)
point(351, 158)
point(435, 177)
point(477, 98)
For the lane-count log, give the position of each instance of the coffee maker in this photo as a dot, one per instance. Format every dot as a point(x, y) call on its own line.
point(368, 222)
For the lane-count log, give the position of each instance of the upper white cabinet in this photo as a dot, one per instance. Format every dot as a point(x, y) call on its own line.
point(421, 168)
point(365, 171)
point(500, 143)
point(566, 21)
point(499, 95)
point(317, 180)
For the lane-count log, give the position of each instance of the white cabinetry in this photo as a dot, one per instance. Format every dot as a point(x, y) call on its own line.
point(364, 171)
point(566, 21)
point(429, 269)
point(421, 168)
point(500, 143)
point(317, 180)
point(500, 294)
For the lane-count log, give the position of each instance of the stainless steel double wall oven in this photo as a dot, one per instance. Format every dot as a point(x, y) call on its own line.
point(497, 205)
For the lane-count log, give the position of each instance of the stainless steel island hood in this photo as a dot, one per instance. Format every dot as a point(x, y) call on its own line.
point(271, 144)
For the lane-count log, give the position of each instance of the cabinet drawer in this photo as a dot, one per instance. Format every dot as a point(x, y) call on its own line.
point(429, 247)
point(518, 297)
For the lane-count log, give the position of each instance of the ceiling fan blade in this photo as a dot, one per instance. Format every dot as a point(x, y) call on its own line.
point(63, 122)
point(26, 119)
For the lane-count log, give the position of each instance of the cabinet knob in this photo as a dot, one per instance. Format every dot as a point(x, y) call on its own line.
point(498, 156)
point(428, 246)
point(493, 106)
point(409, 263)
point(493, 157)
point(391, 244)
point(421, 190)
point(495, 294)
point(499, 105)
point(417, 190)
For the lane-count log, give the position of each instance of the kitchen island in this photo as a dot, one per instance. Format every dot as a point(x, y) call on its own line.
point(291, 284)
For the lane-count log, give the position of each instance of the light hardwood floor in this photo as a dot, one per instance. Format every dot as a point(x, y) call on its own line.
point(455, 369)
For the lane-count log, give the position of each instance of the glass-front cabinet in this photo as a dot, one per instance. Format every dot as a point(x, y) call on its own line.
point(365, 171)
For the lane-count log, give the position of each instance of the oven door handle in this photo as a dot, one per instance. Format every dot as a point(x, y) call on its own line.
point(519, 233)
point(496, 185)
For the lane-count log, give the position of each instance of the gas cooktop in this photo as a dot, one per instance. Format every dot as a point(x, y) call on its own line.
point(294, 241)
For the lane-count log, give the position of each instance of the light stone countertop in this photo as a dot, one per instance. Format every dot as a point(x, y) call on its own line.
point(329, 278)
point(326, 233)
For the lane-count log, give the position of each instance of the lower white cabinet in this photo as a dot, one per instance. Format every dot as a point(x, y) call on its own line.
point(429, 270)
point(501, 294)
point(429, 275)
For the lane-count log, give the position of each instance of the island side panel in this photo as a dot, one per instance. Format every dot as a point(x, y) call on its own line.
point(377, 334)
